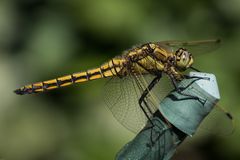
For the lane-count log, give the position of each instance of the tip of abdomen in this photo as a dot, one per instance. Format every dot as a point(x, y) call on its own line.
point(19, 92)
point(22, 91)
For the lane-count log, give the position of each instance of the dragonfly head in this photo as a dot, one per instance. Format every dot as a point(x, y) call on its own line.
point(184, 59)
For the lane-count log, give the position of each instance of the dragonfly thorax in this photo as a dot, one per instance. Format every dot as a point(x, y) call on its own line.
point(183, 59)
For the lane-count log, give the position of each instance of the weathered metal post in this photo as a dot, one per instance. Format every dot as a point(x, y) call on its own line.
point(184, 112)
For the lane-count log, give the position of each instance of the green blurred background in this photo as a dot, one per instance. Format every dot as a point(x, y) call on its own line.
point(43, 39)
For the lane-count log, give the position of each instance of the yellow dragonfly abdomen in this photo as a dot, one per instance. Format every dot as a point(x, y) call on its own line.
point(108, 69)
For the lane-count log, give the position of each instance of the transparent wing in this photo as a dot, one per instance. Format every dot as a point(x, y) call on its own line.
point(122, 98)
point(122, 103)
point(195, 47)
point(218, 122)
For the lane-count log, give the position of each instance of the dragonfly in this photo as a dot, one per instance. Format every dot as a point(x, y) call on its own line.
point(133, 77)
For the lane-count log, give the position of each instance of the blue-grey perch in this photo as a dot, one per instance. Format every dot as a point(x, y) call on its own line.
point(185, 113)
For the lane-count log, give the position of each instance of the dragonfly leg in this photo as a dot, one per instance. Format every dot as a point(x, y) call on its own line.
point(144, 95)
point(142, 101)
point(197, 77)
point(179, 90)
point(195, 69)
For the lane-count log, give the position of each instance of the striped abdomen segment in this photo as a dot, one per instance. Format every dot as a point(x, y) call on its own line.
point(109, 69)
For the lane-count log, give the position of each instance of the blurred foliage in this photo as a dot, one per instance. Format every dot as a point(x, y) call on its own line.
point(43, 39)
